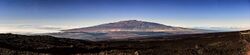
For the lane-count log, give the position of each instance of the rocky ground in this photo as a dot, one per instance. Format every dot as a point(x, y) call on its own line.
point(224, 43)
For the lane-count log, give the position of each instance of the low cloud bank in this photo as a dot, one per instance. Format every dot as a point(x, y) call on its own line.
point(29, 28)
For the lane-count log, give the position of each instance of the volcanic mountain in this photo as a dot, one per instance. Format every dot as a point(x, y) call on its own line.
point(124, 30)
point(131, 26)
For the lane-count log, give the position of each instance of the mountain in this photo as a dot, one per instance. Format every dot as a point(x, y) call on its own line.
point(130, 26)
point(123, 30)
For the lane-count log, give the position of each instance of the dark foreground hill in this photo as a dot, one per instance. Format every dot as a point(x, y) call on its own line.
point(227, 43)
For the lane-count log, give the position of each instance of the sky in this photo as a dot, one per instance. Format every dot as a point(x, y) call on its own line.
point(54, 15)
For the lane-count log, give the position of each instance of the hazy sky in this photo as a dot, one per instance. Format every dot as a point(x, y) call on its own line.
point(47, 15)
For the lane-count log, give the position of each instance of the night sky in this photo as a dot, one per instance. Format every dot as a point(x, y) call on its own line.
point(48, 15)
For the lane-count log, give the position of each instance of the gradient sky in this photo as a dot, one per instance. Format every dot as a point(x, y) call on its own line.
point(47, 15)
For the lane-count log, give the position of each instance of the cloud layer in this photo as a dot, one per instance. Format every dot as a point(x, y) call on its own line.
point(29, 28)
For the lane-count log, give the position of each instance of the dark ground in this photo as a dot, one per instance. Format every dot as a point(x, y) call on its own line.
point(224, 43)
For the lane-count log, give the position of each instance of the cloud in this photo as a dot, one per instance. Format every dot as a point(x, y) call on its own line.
point(29, 28)
point(43, 27)
point(224, 28)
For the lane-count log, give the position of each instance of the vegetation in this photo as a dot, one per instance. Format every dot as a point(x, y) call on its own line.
point(227, 43)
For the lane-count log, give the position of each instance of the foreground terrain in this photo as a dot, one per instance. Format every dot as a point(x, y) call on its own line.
point(224, 43)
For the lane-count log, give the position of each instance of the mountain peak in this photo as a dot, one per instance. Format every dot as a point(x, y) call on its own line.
point(131, 21)
point(134, 23)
